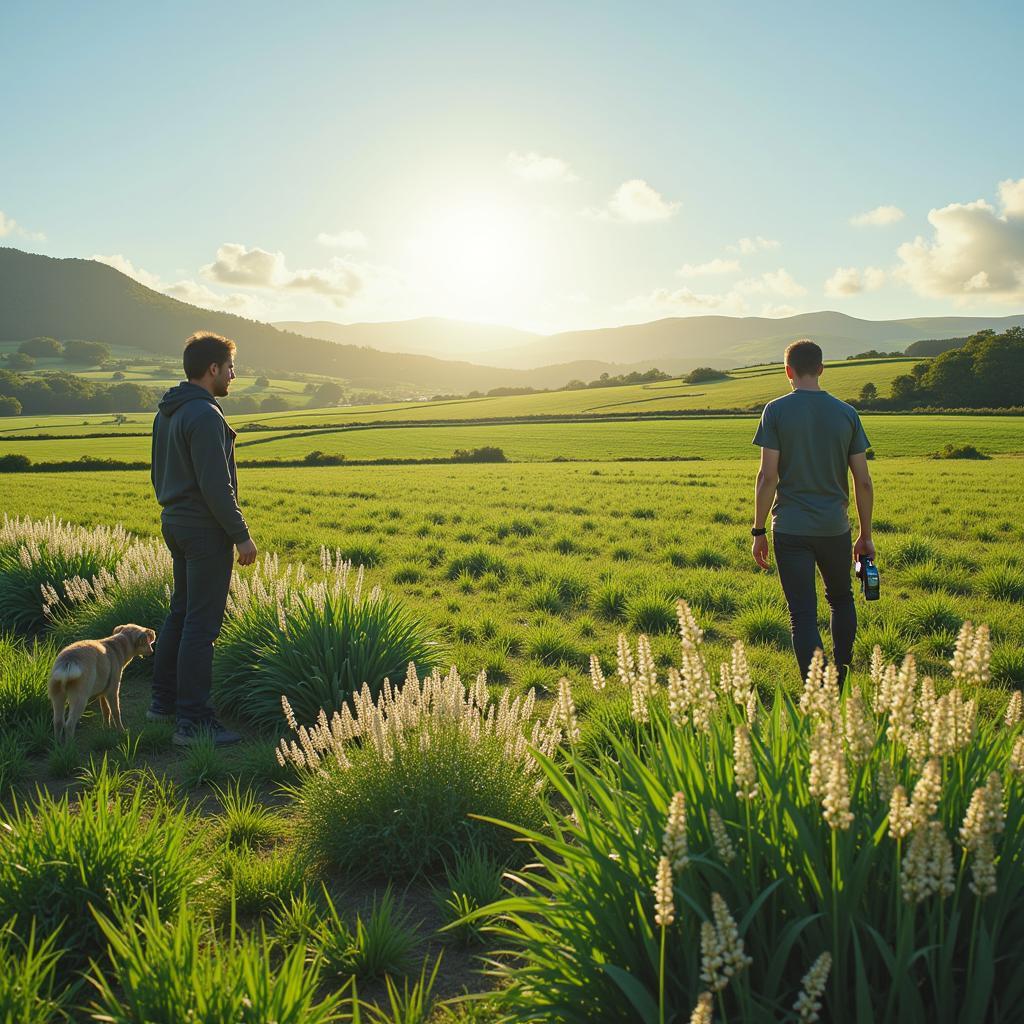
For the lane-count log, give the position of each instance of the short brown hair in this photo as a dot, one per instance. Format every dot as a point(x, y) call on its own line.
point(204, 348)
point(804, 357)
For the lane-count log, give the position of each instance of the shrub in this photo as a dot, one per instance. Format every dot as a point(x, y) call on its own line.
point(318, 646)
point(14, 462)
point(180, 970)
point(403, 775)
point(705, 374)
point(958, 451)
point(61, 861)
point(755, 855)
point(486, 453)
point(34, 553)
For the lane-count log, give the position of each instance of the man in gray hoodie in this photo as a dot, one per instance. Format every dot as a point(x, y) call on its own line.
point(196, 483)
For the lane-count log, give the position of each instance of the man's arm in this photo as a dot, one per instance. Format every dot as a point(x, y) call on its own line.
point(764, 495)
point(864, 493)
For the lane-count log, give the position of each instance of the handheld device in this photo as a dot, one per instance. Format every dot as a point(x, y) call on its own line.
point(867, 573)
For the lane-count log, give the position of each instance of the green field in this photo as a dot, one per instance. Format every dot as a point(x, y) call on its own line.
point(703, 438)
point(945, 531)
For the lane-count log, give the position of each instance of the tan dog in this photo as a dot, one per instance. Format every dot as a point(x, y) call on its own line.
point(92, 668)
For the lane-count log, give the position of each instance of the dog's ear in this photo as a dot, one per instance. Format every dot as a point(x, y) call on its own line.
point(119, 629)
point(151, 635)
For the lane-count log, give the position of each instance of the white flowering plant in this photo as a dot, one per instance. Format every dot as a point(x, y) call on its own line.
point(853, 856)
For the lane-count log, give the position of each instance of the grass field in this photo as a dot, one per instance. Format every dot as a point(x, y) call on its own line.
point(704, 438)
point(501, 556)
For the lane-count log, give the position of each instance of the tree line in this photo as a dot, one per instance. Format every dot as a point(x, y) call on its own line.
point(987, 371)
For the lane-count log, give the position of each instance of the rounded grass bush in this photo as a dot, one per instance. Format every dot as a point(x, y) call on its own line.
point(24, 670)
point(137, 590)
point(476, 562)
point(1003, 583)
point(403, 786)
point(762, 624)
point(317, 648)
point(61, 859)
point(611, 599)
point(931, 615)
point(34, 553)
point(651, 611)
point(552, 644)
point(1008, 665)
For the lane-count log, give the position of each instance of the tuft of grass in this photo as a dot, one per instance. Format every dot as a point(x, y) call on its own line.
point(931, 615)
point(13, 761)
point(411, 1005)
point(203, 763)
point(651, 612)
point(257, 882)
point(610, 601)
point(62, 861)
point(64, 759)
point(28, 990)
point(179, 970)
point(762, 624)
point(1008, 665)
point(1003, 583)
point(245, 821)
point(295, 919)
point(407, 573)
point(24, 670)
point(383, 943)
point(913, 552)
point(708, 558)
point(472, 880)
point(552, 644)
point(476, 562)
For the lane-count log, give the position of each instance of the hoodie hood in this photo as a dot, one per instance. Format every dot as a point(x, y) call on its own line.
point(181, 393)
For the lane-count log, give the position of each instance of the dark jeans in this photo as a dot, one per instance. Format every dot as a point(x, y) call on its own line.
point(183, 663)
point(796, 558)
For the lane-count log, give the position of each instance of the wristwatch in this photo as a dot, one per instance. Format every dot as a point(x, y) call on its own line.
point(758, 531)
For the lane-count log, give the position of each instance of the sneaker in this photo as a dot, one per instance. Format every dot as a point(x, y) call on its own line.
point(157, 714)
point(188, 733)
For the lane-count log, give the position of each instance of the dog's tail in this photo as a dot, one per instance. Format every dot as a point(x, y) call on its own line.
point(64, 670)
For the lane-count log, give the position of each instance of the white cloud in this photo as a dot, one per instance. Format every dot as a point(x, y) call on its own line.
point(781, 282)
point(9, 226)
point(635, 202)
point(126, 267)
point(878, 217)
point(341, 280)
point(533, 166)
point(185, 290)
point(197, 294)
point(779, 311)
point(715, 266)
point(974, 252)
point(748, 246)
point(853, 281)
point(740, 300)
point(351, 239)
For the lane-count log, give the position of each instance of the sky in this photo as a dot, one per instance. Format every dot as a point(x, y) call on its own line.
point(547, 166)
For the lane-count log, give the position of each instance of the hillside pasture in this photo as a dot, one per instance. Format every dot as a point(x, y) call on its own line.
point(525, 441)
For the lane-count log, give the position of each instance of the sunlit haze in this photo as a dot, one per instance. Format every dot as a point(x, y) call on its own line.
point(542, 166)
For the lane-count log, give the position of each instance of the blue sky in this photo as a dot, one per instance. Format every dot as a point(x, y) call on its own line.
point(543, 165)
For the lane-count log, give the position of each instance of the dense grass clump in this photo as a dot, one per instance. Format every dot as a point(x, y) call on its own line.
point(137, 590)
point(61, 859)
point(739, 857)
point(409, 777)
point(37, 553)
point(316, 645)
point(24, 670)
point(168, 969)
point(28, 990)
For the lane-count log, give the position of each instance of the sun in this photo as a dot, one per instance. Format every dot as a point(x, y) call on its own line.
point(474, 255)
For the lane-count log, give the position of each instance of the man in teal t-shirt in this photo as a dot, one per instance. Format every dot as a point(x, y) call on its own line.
point(809, 440)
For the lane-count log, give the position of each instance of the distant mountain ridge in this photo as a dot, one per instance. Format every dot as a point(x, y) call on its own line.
point(76, 298)
point(674, 344)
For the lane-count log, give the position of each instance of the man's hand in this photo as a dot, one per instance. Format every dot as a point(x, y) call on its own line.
point(864, 546)
point(246, 552)
point(759, 549)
